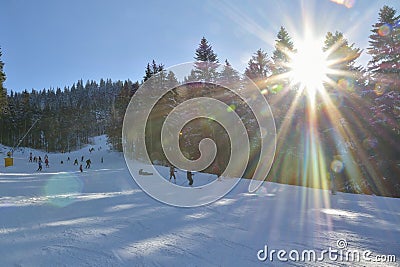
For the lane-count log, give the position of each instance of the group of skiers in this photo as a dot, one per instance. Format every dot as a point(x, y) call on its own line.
point(40, 162)
point(172, 171)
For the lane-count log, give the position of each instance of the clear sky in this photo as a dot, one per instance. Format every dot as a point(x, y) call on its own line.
point(49, 43)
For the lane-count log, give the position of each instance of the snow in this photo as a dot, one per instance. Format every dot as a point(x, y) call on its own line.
point(100, 217)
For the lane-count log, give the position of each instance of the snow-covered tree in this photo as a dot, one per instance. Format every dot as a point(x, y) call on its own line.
point(384, 48)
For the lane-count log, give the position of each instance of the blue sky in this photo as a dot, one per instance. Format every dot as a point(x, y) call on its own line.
point(48, 43)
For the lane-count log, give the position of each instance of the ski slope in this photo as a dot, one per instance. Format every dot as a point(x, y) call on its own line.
point(100, 217)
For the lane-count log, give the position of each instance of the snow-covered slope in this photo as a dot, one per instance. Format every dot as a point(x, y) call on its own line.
point(62, 217)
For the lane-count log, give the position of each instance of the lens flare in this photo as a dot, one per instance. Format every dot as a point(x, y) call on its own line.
point(346, 3)
point(379, 89)
point(346, 84)
point(62, 188)
point(385, 29)
point(337, 166)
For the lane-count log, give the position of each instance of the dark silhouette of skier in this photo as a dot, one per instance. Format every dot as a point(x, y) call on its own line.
point(40, 164)
point(189, 176)
point(142, 172)
point(88, 162)
point(332, 182)
point(81, 168)
point(76, 162)
point(172, 172)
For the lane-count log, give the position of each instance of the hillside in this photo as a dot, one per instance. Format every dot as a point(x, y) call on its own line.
point(100, 217)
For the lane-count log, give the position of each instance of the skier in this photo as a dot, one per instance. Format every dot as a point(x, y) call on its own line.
point(189, 176)
point(81, 168)
point(82, 159)
point(46, 161)
point(76, 162)
point(88, 164)
point(172, 172)
point(40, 164)
point(68, 159)
point(102, 160)
point(30, 157)
point(332, 182)
point(142, 172)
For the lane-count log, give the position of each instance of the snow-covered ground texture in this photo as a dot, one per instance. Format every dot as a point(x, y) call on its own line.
point(100, 217)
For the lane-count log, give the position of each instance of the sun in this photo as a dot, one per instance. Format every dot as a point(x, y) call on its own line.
point(309, 66)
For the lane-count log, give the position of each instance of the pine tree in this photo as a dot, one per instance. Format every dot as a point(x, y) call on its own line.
point(281, 56)
point(206, 64)
point(152, 69)
point(3, 92)
point(229, 76)
point(283, 49)
point(384, 84)
point(259, 68)
point(385, 49)
point(342, 61)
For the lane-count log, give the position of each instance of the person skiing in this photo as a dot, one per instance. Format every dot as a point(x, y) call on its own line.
point(30, 157)
point(40, 164)
point(68, 159)
point(172, 172)
point(81, 168)
point(46, 161)
point(88, 162)
point(102, 160)
point(82, 159)
point(332, 182)
point(142, 172)
point(76, 162)
point(189, 176)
